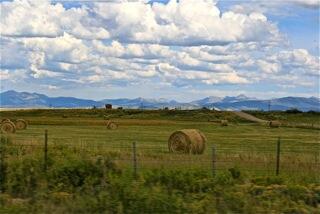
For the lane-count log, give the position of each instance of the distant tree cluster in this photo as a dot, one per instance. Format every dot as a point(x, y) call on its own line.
point(293, 111)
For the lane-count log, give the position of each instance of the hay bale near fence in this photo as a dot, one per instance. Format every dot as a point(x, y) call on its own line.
point(224, 122)
point(187, 141)
point(8, 127)
point(21, 124)
point(274, 124)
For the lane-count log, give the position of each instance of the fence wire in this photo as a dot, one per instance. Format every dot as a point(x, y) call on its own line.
point(289, 157)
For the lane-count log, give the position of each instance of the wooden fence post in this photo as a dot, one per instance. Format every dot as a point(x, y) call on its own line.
point(45, 150)
point(213, 156)
point(2, 166)
point(134, 159)
point(278, 157)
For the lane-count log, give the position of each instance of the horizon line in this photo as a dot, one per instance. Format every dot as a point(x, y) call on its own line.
point(167, 99)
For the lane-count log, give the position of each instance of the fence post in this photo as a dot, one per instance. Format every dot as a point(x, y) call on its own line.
point(134, 158)
point(45, 150)
point(213, 156)
point(278, 157)
point(2, 166)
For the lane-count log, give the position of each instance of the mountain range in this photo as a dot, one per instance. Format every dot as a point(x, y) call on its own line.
point(14, 99)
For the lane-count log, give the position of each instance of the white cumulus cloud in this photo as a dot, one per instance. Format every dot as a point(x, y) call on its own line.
point(182, 43)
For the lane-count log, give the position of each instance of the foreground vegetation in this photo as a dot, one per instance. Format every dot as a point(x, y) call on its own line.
point(98, 185)
point(90, 168)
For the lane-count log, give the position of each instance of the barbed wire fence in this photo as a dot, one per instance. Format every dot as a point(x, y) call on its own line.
point(279, 156)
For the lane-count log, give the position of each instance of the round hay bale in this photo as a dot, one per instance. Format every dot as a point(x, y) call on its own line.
point(5, 119)
point(187, 141)
point(112, 125)
point(274, 124)
point(21, 124)
point(224, 122)
point(8, 127)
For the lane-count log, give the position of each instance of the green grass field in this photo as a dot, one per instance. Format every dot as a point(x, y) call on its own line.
point(81, 135)
point(248, 145)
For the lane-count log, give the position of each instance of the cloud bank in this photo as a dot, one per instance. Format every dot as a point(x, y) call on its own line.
point(189, 43)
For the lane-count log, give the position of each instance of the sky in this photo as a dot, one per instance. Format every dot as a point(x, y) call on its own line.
point(182, 50)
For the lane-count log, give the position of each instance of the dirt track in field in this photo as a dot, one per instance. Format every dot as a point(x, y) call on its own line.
point(249, 117)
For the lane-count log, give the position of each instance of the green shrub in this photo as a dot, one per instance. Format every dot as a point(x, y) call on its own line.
point(184, 181)
point(4, 141)
point(235, 172)
point(74, 174)
point(257, 190)
point(224, 179)
point(266, 181)
point(23, 177)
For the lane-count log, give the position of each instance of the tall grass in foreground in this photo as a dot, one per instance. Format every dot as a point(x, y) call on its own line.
point(299, 163)
point(86, 180)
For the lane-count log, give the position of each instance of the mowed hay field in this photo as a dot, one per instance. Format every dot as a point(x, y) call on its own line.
point(248, 146)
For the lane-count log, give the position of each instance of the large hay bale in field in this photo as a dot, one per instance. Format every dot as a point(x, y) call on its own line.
point(21, 124)
point(187, 141)
point(8, 127)
point(111, 125)
point(224, 122)
point(274, 124)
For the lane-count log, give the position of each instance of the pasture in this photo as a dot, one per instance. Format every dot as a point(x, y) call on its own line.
point(242, 147)
point(243, 144)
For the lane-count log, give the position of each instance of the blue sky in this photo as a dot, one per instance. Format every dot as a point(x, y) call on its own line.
point(166, 49)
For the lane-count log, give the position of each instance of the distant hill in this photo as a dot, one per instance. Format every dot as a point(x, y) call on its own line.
point(24, 99)
point(13, 99)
